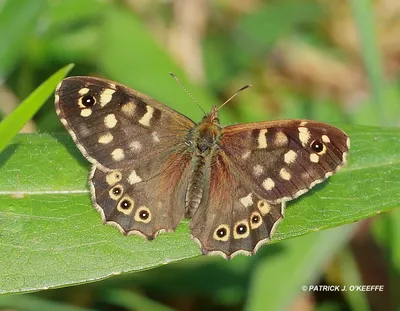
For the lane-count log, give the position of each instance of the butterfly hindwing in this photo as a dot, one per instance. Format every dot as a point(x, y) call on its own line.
point(145, 206)
point(232, 218)
point(284, 159)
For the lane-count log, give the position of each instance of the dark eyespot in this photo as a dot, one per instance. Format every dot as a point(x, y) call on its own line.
point(144, 214)
point(255, 219)
point(317, 146)
point(241, 229)
point(88, 101)
point(125, 204)
point(117, 190)
point(221, 232)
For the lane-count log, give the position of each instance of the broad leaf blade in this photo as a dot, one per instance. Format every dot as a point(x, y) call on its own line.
point(52, 237)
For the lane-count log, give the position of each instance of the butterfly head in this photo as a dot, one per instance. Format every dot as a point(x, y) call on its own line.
point(212, 117)
point(205, 136)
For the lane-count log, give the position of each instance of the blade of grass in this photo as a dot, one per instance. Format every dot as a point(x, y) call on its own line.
point(364, 19)
point(356, 299)
point(12, 124)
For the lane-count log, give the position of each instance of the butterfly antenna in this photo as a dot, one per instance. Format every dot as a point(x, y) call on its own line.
point(237, 92)
point(190, 95)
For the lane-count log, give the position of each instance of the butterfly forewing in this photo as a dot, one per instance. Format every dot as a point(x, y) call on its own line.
point(115, 126)
point(283, 159)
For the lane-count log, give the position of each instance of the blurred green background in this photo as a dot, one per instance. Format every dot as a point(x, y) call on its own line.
point(333, 61)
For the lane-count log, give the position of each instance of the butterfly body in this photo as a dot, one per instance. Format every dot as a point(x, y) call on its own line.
point(153, 166)
point(203, 143)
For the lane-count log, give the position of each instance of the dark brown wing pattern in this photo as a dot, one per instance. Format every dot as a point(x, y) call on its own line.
point(137, 148)
point(284, 159)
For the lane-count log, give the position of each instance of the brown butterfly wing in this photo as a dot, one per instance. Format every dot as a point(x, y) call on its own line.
point(232, 218)
point(115, 126)
point(283, 159)
point(138, 150)
point(140, 205)
point(259, 167)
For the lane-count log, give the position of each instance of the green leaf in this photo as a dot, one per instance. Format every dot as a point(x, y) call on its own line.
point(52, 237)
point(26, 110)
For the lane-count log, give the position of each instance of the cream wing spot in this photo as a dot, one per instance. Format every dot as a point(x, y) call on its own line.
point(290, 157)
point(125, 205)
point(106, 95)
point(83, 91)
point(325, 139)
point(247, 200)
point(285, 174)
point(268, 184)
point(134, 178)
point(281, 139)
point(156, 139)
point(86, 112)
point(258, 170)
point(106, 139)
point(348, 142)
point(314, 157)
point(303, 123)
point(143, 214)
point(262, 139)
point(246, 155)
point(136, 146)
point(222, 233)
point(56, 99)
point(304, 135)
point(129, 109)
point(113, 177)
point(145, 120)
point(110, 121)
point(264, 207)
point(118, 154)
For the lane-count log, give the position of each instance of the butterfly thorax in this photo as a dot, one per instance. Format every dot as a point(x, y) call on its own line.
point(204, 145)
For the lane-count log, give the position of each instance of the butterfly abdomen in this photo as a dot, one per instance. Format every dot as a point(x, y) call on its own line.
point(204, 141)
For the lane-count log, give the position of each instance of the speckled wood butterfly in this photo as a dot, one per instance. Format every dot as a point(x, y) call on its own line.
point(152, 166)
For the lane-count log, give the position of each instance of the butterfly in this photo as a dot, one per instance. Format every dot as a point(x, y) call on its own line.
point(152, 166)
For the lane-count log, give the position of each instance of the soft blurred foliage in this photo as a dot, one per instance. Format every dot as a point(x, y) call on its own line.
point(330, 60)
